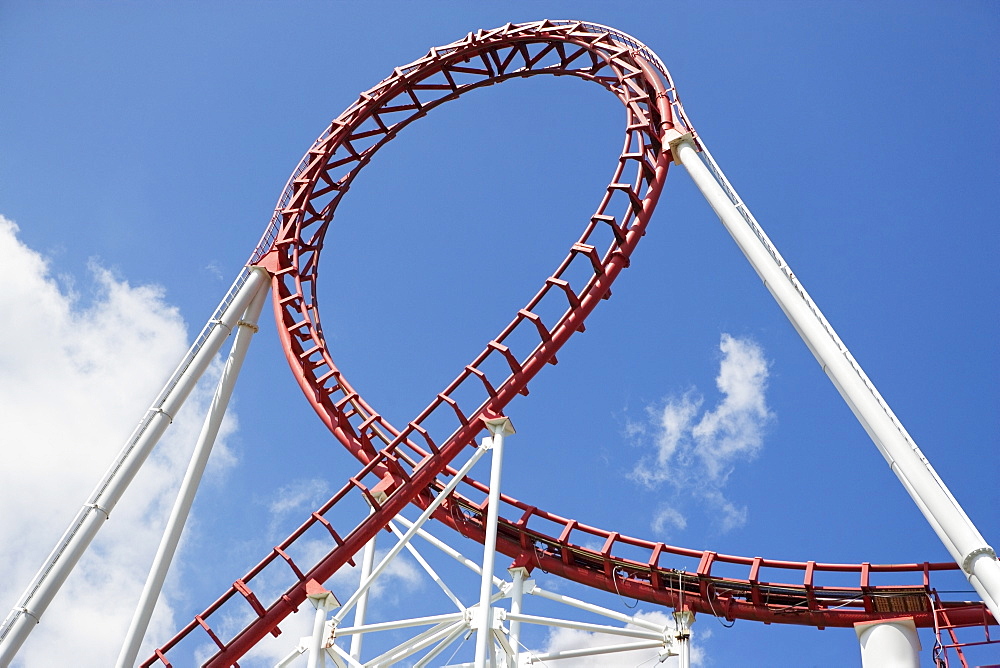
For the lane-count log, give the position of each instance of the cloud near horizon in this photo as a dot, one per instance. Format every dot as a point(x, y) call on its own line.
point(696, 450)
point(78, 369)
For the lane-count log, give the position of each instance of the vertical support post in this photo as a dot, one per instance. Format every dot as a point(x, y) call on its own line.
point(499, 428)
point(60, 563)
point(367, 562)
point(889, 643)
point(941, 510)
point(316, 658)
point(410, 533)
point(518, 573)
point(246, 328)
point(324, 601)
point(683, 620)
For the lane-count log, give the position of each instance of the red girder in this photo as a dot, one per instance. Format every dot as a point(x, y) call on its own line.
point(408, 471)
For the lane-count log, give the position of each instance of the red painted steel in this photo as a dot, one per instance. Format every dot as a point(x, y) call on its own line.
point(408, 465)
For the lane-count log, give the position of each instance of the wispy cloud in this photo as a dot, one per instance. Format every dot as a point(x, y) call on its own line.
point(696, 450)
point(77, 370)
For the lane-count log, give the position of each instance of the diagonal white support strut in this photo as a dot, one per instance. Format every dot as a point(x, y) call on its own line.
point(88, 521)
point(245, 329)
point(967, 546)
point(366, 584)
point(499, 428)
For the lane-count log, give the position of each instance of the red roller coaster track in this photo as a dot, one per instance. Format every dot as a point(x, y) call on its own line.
point(407, 465)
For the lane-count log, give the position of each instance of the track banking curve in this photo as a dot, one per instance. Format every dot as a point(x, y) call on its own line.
point(411, 464)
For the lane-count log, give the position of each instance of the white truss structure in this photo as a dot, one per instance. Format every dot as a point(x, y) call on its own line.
point(495, 618)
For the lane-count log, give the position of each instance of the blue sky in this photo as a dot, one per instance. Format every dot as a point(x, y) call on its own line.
point(145, 145)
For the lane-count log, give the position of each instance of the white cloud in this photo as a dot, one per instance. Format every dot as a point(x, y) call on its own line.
point(295, 500)
point(666, 518)
point(77, 371)
point(696, 450)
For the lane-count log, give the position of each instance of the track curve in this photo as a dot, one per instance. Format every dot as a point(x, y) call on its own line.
point(407, 465)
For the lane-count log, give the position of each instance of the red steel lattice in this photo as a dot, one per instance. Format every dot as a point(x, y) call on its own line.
point(407, 465)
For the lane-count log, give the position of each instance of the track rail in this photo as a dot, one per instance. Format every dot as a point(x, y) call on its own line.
point(409, 464)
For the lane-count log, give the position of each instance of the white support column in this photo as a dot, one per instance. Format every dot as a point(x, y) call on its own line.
point(88, 521)
point(366, 584)
point(967, 546)
point(519, 575)
point(367, 561)
point(324, 601)
point(683, 620)
point(246, 328)
point(891, 643)
point(499, 428)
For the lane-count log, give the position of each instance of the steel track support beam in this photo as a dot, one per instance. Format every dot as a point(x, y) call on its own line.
point(891, 643)
point(367, 562)
point(428, 569)
point(519, 575)
point(32, 604)
point(682, 636)
point(324, 601)
point(449, 550)
point(441, 646)
point(246, 328)
point(499, 428)
point(366, 584)
point(941, 510)
point(445, 629)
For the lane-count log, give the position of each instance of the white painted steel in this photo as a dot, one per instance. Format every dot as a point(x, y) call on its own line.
point(342, 658)
point(317, 657)
point(643, 634)
point(594, 651)
point(367, 561)
point(398, 547)
point(397, 624)
point(484, 636)
point(519, 576)
point(246, 328)
point(428, 569)
point(416, 644)
point(441, 646)
point(506, 651)
point(445, 629)
point(88, 521)
point(889, 644)
point(682, 635)
point(448, 550)
point(956, 531)
point(595, 609)
point(324, 601)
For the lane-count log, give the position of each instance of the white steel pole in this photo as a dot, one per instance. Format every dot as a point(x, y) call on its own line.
point(74, 542)
point(324, 600)
point(367, 561)
point(414, 527)
point(428, 569)
point(518, 575)
point(316, 652)
point(246, 328)
point(682, 620)
point(892, 643)
point(499, 427)
point(956, 531)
